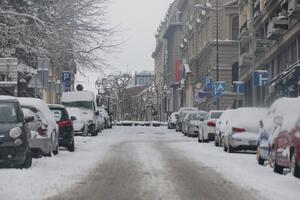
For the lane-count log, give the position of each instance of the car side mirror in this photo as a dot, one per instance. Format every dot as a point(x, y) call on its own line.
point(73, 118)
point(278, 120)
point(29, 119)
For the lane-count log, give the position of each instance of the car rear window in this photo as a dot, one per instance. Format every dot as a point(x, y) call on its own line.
point(215, 115)
point(59, 114)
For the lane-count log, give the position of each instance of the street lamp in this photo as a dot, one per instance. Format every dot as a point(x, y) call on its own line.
point(208, 6)
point(98, 85)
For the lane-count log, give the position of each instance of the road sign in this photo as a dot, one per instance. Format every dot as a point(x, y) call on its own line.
point(207, 82)
point(66, 77)
point(238, 87)
point(219, 88)
point(260, 78)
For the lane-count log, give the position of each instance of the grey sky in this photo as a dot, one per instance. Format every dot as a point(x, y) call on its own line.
point(139, 19)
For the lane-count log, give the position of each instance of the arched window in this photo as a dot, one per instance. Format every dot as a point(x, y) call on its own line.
point(235, 27)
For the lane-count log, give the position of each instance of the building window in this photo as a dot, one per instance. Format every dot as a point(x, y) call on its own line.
point(235, 27)
point(141, 81)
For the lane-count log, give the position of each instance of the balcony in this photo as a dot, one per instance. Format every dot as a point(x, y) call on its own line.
point(245, 60)
point(294, 9)
point(277, 27)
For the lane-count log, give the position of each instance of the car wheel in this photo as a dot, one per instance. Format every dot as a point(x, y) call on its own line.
point(261, 161)
point(71, 147)
point(224, 148)
point(294, 166)
point(56, 151)
point(216, 142)
point(230, 148)
point(28, 160)
point(276, 168)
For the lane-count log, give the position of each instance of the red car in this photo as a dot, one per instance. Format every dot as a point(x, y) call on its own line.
point(286, 142)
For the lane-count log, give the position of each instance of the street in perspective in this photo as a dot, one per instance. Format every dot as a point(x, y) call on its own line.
point(150, 100)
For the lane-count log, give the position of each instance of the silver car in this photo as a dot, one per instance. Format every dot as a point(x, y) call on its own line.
point(44, 130)
point(194, 122)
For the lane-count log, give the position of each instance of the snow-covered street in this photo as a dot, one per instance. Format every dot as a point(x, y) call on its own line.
point(146, 163)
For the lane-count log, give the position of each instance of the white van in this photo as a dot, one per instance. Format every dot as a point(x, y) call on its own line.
point(86, 102)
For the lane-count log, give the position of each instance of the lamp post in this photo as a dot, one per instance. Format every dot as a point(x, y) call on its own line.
point(98, 85)
point(208, 7)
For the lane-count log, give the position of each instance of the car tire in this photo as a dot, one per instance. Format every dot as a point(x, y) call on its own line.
point(56, 151)
point(277, 168)
point(28, 160)
point(230, 149)
point(261, 161)
point(294, 166)
point(71, 147)
point(224, 148)
point(216, 142)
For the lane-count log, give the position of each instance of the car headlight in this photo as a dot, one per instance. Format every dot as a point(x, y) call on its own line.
point(15, 132)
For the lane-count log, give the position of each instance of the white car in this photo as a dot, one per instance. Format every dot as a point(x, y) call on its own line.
point(221, 125)
point(181, 114)
point(268, 127)
point(45, 140)
point(86, 102)
point(207, 126)
point(193, 122)
point(172, 120)
point(242, 130)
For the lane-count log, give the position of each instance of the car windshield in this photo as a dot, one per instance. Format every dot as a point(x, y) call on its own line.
point(8, 113)
point(59, 114)
point(215, 115)
point(79, 104)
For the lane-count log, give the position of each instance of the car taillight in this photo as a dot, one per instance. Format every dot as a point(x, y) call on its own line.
point(238, 130)
point(65, 123)
point(211, 124)
point(42, 131)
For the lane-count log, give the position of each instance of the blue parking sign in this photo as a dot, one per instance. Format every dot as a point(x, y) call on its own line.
point(260, 78)
point(238, 87)
point(66, 77)
point(207, 82)
point(219, 88)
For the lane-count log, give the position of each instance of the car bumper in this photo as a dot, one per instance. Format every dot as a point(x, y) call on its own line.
point(244, 141)
point(12, 155)
point(42, 145)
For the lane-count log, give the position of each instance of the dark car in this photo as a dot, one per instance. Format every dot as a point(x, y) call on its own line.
point(65, 124)
point(14, 135)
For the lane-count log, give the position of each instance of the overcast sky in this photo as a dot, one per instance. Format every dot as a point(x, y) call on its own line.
point(139, 20)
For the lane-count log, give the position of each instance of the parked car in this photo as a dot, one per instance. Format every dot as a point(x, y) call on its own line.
point(286, 140)
point(86, 102)
point(221, 125)
point(44, 140)
point(172, 120)
point(101, 122)
point(181, 114)
point(193, 122)
point(107, 118)
point(14, 134)
point(207, 127)
point(242, 130)
point(65, 124)
point(80, 125)
point(268, 127)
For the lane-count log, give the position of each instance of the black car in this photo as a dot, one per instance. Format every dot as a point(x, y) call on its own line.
point(14, 135)
point(65, 124)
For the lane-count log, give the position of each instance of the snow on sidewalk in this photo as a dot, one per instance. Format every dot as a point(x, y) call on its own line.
point(242, 169)
point(50, 176)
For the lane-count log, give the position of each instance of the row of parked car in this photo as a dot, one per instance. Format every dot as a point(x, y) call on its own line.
point(31, 128)
point(274, 132)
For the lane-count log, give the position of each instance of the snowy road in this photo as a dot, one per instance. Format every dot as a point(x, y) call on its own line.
point(143, 166)
point(132, 163)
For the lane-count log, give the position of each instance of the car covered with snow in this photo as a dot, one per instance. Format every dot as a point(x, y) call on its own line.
point(191, 126)
point(286, 140)
point(172, 120)
point(14, 134)
point(221, 125)
point(268, 127)
point(181, 114)
point(80, 125)
point(86, 102)
point(107, 118)
point(207, 127)
point(242, 131)
point(44, 139)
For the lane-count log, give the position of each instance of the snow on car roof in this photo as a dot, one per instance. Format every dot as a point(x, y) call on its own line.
point(248, 115)
point(291, 116)
point(78, 96)
point(4, 98)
